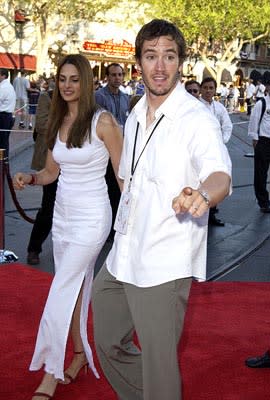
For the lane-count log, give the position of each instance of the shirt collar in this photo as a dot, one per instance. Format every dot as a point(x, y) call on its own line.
point(169, 107)
point(206, 102)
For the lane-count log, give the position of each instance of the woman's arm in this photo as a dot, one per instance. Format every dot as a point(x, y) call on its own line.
point(47, 175)
point(110, 133)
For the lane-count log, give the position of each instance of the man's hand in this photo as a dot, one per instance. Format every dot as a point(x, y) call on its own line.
point(191, 201)
point(254, 143)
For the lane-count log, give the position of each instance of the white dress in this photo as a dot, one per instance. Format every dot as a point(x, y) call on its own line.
point(81, 224)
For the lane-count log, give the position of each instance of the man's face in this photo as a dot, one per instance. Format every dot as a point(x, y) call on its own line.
point(115, 77)
point(193, 89)
point(160, 66)
point(208, 91)
point(2, 77)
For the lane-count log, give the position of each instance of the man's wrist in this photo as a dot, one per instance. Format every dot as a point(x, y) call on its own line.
point(205, 196)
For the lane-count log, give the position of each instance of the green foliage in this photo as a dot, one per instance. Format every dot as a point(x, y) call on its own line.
point(68, 9)
point(222, 20)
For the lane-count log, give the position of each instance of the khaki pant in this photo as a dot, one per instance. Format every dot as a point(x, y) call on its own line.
point(157, 314)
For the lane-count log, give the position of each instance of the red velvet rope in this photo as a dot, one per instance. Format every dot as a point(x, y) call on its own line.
point(14, 197)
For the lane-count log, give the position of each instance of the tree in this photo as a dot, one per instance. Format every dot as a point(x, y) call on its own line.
point(216, 30)
point(44, 16)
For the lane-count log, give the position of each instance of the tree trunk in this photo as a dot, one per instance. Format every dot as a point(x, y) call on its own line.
point(42, 50)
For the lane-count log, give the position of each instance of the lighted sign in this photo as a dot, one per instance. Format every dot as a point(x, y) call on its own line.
point(108, 47)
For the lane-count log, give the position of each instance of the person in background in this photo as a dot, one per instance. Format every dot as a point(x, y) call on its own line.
point(170, 180)
point(43, 221)
point(81, 137)
point(193, 87)
point(140, 88)
point(259, 90)
point(223, 92)
point(250, 93)
point(112, 99)
point(97, 84)
point(7, 107)
point(208, 90)
point(259, 131)
point(241, 99)
point(231, 99)
point(33, 95)
point(21, 85)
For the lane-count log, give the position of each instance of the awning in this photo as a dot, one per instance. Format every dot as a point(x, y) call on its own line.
point(17, 61)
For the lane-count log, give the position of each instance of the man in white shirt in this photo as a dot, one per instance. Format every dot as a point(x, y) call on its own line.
point(259, 89)
point(259, 130)
point(21, 85)
point(7, 107)
point(250, 92)
point(208, 91)
point(174, 165)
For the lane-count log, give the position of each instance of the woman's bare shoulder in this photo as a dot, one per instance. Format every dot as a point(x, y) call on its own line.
point(107, 119)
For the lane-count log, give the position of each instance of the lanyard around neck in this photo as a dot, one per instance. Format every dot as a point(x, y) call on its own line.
point(133, 164)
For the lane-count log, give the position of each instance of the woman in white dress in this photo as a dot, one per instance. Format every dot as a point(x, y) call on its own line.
point(81, 138)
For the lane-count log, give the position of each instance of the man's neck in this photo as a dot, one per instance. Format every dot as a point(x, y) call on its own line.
point(153, 105)
point(113, 90)
point(208, 101)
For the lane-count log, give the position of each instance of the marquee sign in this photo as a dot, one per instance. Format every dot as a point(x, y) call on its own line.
point(108, 47)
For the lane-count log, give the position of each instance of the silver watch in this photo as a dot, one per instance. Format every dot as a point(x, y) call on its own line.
point(205, 196)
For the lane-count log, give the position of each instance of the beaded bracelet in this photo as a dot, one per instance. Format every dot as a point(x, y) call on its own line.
point(33, 180)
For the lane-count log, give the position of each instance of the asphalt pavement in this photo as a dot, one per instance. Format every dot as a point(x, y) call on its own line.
point(238, 251)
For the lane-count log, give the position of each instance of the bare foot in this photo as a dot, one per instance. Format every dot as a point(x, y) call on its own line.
point(47, 386)
point(79, 361)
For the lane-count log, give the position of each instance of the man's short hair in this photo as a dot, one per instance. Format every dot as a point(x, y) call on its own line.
point(191, 82)
point(156, 28)
point(209, 79)
point(4, 72)
point(107, 70)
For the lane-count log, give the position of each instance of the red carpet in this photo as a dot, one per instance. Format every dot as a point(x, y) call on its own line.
point(225, 323)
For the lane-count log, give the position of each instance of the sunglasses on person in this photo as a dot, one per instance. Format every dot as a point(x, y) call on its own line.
point(193, 90)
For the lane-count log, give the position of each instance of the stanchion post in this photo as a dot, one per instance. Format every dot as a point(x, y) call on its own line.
point(6, 256)
point(2, 200)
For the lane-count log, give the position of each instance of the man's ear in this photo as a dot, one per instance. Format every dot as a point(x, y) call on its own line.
point(138, 67)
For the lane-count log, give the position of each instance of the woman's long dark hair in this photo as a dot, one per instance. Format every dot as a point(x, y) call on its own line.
point(86, 107)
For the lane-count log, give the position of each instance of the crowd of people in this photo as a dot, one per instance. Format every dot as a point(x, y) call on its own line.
point(150, 160)
point(240, 98)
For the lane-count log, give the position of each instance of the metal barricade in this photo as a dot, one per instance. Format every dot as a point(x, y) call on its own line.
point(6, 256)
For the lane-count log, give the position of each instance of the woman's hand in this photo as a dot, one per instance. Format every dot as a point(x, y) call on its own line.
point(20, 180)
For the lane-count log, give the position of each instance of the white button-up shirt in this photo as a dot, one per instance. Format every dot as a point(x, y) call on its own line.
point(264, 128)
point(222, 116)
point(184, 150)
point(7, 97)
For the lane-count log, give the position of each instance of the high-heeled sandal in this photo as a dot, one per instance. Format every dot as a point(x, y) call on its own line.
point(41, 394)
point(72, 378)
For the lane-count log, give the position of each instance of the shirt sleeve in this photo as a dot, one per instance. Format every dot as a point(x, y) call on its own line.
point(3, 95)
point(209, 153)
point(123, 159)
point(226, 125)
point(253, 126)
